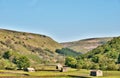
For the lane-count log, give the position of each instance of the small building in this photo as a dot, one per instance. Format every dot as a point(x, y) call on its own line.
point(30, 69)
point(96, 73)
point(59, 66)
point(64, 69)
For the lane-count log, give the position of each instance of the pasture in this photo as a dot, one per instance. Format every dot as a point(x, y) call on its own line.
point(51, 72)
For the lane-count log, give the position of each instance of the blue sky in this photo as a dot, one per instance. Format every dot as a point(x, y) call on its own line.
point(63, 20)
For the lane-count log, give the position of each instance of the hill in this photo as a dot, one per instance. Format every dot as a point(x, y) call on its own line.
point(104, 57)
point(86, 45)
point(111, 49)
point(107, 56)
point(38, 48)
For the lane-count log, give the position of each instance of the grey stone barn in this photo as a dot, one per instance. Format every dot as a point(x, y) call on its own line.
point(30, 69)
point(64, 69)
point(59, 66)
point(96, 73)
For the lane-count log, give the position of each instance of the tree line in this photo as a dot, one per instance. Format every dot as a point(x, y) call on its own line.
point(67, 52)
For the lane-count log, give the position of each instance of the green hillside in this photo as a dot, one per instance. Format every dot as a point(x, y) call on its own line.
point(109, 50)
point(107, 56)
point(86, 45)
point(38, 48)
point(104, 57)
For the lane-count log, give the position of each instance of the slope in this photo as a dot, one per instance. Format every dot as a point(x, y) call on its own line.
point(104, 57)
point(86, 45)
point(111, 49)
point(38, 48)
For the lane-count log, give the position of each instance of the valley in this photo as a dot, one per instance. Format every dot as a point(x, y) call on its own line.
point(20, 50)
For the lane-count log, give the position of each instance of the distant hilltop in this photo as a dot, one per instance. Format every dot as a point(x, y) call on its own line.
point(86, 45)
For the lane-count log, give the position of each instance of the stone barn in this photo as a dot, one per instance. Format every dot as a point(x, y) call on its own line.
point(96, 73)
point(64, 69)
point(30, 69)
point(59, 66)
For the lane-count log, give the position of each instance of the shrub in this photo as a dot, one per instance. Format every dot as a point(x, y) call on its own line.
point(6, 64)
point(70, 61)
point(95, 66)
point(112, 66)
point(3, 63)
point(7, 54)
point(22, 62)
point(11, 66)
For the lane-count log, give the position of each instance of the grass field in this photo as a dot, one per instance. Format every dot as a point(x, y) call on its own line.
point(52, 73)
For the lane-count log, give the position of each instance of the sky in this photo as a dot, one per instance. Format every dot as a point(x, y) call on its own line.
point(62, 20)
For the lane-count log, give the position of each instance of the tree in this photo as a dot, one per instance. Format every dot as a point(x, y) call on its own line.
point(22, 62)
point(7, 54)
point(67, 52)
point(95, 66)
point(10, 55)
point(6, 64)
point(102, 66)
point(87, 64)
point(95, 58)
point(112, 54)
point(112, 66)
point(70, 61)
point(80, 64)
point(3, 63)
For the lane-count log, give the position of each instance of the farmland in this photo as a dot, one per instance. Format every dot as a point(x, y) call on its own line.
point(52, 72)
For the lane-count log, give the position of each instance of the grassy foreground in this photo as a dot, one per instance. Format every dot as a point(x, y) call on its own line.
point(56, 74)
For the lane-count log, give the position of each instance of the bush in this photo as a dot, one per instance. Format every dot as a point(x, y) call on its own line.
point(11, 66)
point(95, 66)
point(7, 55)
point(3, 63)
point(103, 66)
point(22, 62)
point(78, 66)
point(70, 61)
point(6, 64)
point(88, 64)
point(112, 66)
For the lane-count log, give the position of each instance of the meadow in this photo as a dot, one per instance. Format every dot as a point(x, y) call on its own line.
point(51, 72)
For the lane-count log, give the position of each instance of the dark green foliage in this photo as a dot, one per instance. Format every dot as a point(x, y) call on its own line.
point(119, 59)
point(7, 55)
point(95, 59)
point(22, 62)
point(112, 54)
point(67, 52)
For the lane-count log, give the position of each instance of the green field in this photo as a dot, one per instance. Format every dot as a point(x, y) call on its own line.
point(50, 73)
